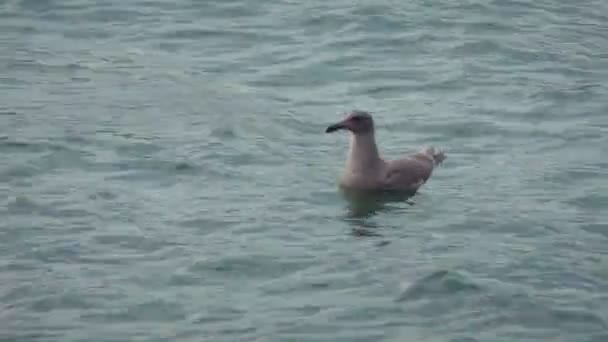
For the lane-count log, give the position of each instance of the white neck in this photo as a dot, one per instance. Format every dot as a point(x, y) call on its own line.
point(363, 154)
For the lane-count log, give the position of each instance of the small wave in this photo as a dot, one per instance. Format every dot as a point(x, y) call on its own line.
point(442, 282)
point(246, 266)
point(154, 310)
point(8, 144)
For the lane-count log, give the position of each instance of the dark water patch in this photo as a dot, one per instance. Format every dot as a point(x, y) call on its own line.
point(596, 228)
point(18, 265)
point(228, 9)
point(237, 159)
point(490, 28)
point(224, 133)
point(15, 144)
point(9, 13)
point(172, 46)
point(51, 5)
point(385, 90)
point(245, 330)
point(305, 309)
point(215, 314)
point(323, 22)
point(87, 34)
point(45, 334)
point(215, 33)
point(56, 153)
point(109, 260)
point(315, 74)
point(206, 225)
point(138, 243)
point(464, 339)
point(194, 33)
point(247, 267)
point(24, 63)
point(558, 94)
point(103, 195)
point(501, 307)
point(186, 279)
point(142, 149)
point(366, 204)
point(29, 107)
point(537, 310)
point(145, 170)
point(59, 252)
point(135, 139)
point(481, 47)
point(80, 79)
point(41, 66)
point(382, 243)
point(351, 42)
point(183, 166)
point(68, 213)
point(542, 316)
point(475, 128)
point(365, 232)
point(25, 205)
point(68, 300)
point(590, 201)
point(61, 218)
point(316, 330)
point(578, 317)
point(367, 314)
point(7, 145)
point(111, 15)
point(566, 175)
point(331, 280)
point(153, 310)
point(378, 18)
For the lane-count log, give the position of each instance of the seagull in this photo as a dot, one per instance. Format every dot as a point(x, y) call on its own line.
point(366, 170)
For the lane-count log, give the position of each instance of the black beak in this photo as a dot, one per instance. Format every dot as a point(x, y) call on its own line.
point(334, 128)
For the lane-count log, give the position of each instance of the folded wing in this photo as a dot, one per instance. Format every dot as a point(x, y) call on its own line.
point(409, 173)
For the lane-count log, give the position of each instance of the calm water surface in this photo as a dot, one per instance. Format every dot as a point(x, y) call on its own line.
point(164, 175)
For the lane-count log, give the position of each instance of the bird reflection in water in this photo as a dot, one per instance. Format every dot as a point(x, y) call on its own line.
point(363, 205)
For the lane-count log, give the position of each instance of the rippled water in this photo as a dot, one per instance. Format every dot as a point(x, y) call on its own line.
point(165, 175)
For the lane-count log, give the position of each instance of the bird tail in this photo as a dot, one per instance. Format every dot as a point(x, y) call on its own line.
point(437, 155)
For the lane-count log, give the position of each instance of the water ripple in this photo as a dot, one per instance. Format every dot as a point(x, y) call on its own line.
point(165, 171)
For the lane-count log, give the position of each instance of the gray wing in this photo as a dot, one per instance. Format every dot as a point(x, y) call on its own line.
point(407, 174)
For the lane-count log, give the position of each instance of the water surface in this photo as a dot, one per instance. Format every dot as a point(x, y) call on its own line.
point(165, 175)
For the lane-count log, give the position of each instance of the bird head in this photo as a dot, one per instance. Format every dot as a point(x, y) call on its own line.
point(357, 121)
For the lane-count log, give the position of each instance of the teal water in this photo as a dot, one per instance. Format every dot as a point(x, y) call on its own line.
point(164, 175)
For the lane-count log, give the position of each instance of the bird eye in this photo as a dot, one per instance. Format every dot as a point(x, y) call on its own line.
point(357, 118)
